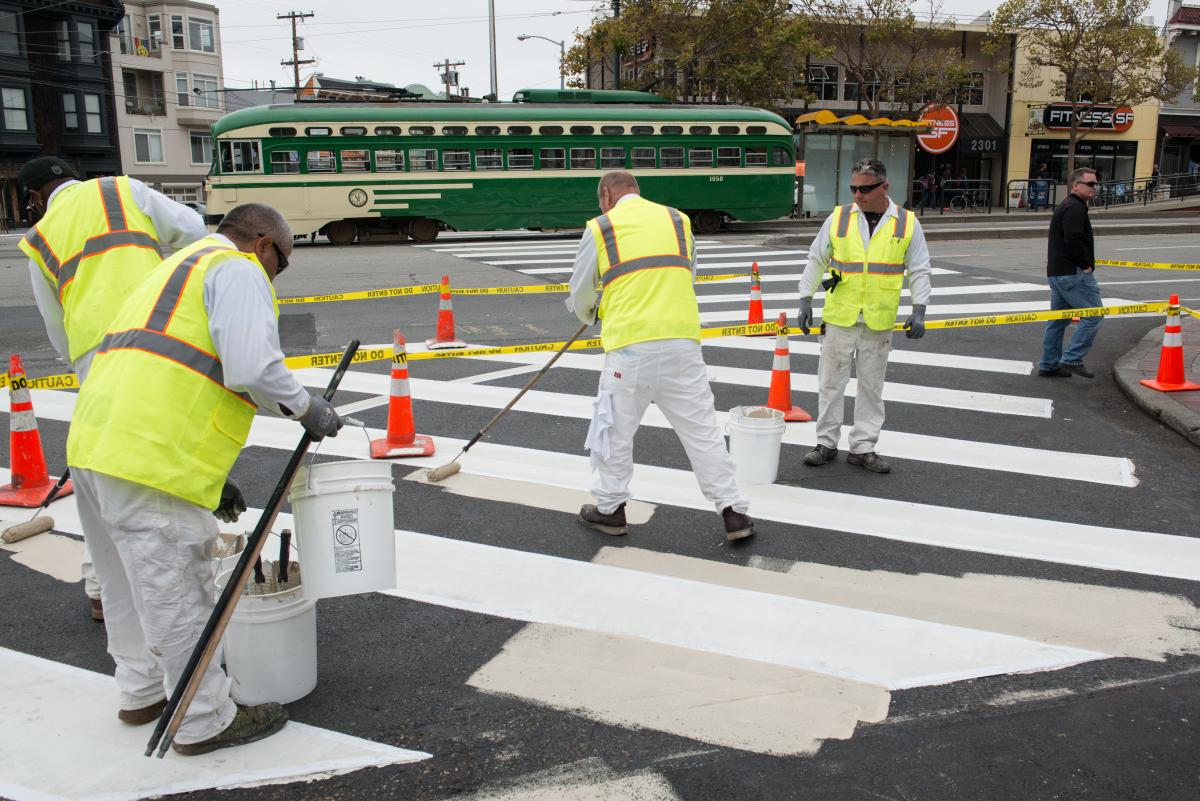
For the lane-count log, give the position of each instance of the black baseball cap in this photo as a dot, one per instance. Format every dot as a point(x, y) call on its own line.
point(41, 171)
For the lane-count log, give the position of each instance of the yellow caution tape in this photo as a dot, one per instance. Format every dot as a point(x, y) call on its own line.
point(1146, 265)
point(1033, 317)
point(63, 381)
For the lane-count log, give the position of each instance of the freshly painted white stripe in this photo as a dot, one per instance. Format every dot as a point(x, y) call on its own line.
point(965, 289)
point(57, 715)
point(571, 247)
point(897, 356)
point(944, 310)
point(495, 375)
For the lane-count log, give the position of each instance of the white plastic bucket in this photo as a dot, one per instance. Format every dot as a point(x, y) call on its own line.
point(271, 645)
point(755, 437)
point(345, 528)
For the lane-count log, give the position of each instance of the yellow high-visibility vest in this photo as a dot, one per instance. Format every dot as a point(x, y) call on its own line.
point(94, 246)
point(155, 409)
point(645, 252)
point(871, 279)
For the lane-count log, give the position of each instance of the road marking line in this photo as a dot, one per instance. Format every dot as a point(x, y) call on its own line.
point(898, 356)
point(953, 310)
point(495, 375)
point(1150, 281)
point(964, 289)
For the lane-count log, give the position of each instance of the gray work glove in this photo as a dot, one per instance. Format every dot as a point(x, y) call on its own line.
point(321, 420)
point(914, 328)
point(232, 503)
point(804, 317)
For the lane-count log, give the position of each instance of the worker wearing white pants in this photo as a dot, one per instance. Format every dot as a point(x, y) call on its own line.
point(644, 257)
point(842, 348)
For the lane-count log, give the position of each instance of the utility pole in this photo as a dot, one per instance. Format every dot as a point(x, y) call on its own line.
point(449, 77)
point(616, 7)
point(296, 47)
point(492, 47)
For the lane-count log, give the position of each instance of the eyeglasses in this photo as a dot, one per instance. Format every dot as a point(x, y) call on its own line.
point(1092, 184)
point(282, 259)
point(865, 189)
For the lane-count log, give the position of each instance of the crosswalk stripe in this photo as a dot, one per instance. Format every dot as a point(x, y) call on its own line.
point(898, 355)
point(942, 310)
point(940, 290)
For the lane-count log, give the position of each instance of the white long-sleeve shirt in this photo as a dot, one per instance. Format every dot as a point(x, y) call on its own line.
point(177, 226)
point(584, 297)
point(916, 259)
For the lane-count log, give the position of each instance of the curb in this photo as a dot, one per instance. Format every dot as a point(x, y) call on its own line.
point(1156, 404)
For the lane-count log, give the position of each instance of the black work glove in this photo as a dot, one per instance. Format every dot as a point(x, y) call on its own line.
point(232, 503)
point(321, 420)
point(804, 317)
point(914, 328)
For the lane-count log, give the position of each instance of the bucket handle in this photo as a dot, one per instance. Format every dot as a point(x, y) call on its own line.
point(312, 457)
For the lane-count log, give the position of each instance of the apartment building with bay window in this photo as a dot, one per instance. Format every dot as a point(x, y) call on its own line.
point(166, 61)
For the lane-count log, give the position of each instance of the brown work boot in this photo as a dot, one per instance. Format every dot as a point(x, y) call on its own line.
point(613, 523)
point(96, 608)
point(737, 525)
point(140, 717)
point(251, 723)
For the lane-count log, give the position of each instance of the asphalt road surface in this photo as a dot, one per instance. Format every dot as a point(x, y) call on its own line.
point(1010, 614)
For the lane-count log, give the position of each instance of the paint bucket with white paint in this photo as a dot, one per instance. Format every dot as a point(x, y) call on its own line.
point(271, 640)
point(755, 437)
point(345, 527)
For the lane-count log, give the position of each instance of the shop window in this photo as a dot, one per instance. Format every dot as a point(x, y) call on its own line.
point(971, 92)
point(822, 80)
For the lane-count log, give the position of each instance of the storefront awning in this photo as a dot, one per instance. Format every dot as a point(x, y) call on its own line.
point(1181, 131)
point(827, 117)
point(981, 126)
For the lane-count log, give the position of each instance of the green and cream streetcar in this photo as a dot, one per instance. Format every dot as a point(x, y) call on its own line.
point(410, 170)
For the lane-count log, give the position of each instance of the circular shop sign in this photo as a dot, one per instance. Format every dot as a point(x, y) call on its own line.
point(358, 197)
point(943, 129)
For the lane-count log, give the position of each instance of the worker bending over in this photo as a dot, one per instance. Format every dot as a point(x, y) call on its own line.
point(643, 256)
point(158, 425)
point(96, 241)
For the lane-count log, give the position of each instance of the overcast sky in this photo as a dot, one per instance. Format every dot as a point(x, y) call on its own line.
point(398, 41)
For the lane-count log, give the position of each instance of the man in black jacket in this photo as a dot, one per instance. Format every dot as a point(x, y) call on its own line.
point(1070, 270)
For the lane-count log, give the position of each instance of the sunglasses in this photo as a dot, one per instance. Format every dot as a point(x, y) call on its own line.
point(1092, 184)
point(282, 259)
point(865, 189)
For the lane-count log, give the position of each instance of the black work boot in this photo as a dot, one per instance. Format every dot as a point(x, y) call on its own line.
point(822, 454)
point(869, 461)
point(250, 724)
point(613, 523)
point(737, 525)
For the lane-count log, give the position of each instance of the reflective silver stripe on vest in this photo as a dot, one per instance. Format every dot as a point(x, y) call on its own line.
point(113, 209)
point(680, 235)
point(168, 347)
point(644, 263)
point(843, 226)
point(610, 239)
point(168, 299)
point(38, 242)
point(873, 267)
point(99, 244)
point(901, 223)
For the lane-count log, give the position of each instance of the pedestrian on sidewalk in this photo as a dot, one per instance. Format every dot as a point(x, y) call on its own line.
point(868, 246)
point(644, 257)
point(1070, 271)
point(95, 242)
point(157, 427)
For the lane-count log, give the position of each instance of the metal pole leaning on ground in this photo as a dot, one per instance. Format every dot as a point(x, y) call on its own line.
point(185, 689)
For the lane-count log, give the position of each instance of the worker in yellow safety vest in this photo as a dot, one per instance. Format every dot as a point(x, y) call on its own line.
point(157, 427)
point(635, 271)
point(868, 247)
point(96, 240)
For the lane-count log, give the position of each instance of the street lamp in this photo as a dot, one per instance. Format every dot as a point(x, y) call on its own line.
point(562, 47)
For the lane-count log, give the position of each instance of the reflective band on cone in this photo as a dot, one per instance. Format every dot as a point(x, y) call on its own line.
point(401, 439)
point(1171, 377)
point(780, 396)
point(755, 314)
point(30, 481)
point(445, 321)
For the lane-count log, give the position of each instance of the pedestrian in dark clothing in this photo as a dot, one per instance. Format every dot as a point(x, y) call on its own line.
point(1070, 271)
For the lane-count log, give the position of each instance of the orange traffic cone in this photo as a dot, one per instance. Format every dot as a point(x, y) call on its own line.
point(1170, 361)
point(780, 396)
point(30, 481)
point(756, 310)
point(445, 322)
point(401, 439)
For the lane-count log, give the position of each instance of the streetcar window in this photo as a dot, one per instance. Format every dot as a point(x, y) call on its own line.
point(728, 130)
point(454, 130)
point(643, 157)
point(241, 155)
point(583, 158)
point(700, 157)
point(422, 159)
point(456, 160)
point(421, 130)
point(611, 130)
point(780, 157)
point(520, 130)
point(389, 161)
point(642, 130)
point(487, 130)
point(612, 158)
point(321, 161)
point(671, 157)
point(387, 130)
point(553, 158)
point(582, 130)
point(356, 160)
point(282, 132)
point(548, 130)
point(489, 158)
point(700, 130)
point(520, 158)
point(285, 161)
point(671, 130)
point(756, 157)
point(323, 131)
point(729, 157)
point(756, 130)
point(354, 130)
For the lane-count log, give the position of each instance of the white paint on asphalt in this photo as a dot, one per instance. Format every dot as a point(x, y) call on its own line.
point(586, 780)
point(52, 554)
point(965, 289)
point(897, 356)
point(941, 310)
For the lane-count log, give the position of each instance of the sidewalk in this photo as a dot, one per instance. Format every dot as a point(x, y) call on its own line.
point(1179, 410)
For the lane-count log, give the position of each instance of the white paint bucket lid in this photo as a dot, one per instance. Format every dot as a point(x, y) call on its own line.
point(757, 417)
point(354, 475)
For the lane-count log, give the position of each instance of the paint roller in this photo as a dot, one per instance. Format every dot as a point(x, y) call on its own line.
point(35, 525)
point(445, 471)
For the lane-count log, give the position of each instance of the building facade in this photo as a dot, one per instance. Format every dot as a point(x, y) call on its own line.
point(166, 67)
point(56, 92)
point(1179, 119)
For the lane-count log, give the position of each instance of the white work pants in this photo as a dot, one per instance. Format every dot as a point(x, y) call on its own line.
point(867, 351)
point(91, 585)
point(153, 556)
point(671, 373)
